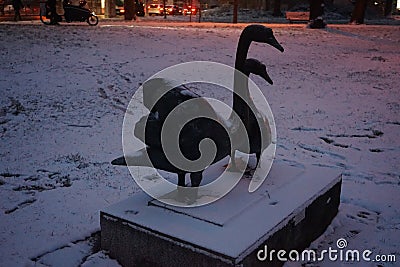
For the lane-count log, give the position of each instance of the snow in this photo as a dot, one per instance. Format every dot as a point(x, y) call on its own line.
point(64, 91)
point(66, 257)
point(211, 227)
point(187, 93)
point(99, 260)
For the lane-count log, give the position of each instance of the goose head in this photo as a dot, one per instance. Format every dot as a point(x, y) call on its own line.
point(254, 66)
point(261, 34)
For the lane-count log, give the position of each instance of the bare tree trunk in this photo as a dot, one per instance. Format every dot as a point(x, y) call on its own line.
point(235, 11)
point(316, 14)
point(316, 9)
point(291, 4)
point(357, 16)
point(277, 8)
point(128, 6)
point(267, 5)
point(110, 9)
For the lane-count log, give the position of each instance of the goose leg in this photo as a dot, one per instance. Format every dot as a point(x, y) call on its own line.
point(195, 178)
point(181, 183)
point(181, 179)
point(233, 162)
point(258, 156)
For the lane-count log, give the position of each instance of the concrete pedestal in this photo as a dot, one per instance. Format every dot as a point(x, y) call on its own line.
point(291, 209)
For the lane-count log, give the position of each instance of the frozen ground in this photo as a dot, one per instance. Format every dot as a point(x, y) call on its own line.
point(64, 90)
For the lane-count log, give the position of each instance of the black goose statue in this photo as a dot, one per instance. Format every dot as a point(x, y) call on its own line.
point(243, 105)
point(148, 129)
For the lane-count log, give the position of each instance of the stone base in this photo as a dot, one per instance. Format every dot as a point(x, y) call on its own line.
point(292, 208)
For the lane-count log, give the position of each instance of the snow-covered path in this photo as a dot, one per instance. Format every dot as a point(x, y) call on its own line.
point(64, 90)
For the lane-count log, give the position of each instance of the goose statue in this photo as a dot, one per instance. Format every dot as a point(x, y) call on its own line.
point(148, 128)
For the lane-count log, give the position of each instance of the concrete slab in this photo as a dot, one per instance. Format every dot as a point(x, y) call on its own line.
point(290, 210)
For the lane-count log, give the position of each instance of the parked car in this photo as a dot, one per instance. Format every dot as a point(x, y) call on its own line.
point(190, 10)
point(119, 10)
point(155, 9)
point(173, 10)
point(119, 7)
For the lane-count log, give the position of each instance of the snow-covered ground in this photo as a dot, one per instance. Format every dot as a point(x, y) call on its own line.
point(64, 90)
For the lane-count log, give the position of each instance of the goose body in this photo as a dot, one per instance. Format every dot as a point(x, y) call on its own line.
point(149, 127)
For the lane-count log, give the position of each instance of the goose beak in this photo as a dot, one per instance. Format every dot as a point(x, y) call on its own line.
point(266, 77)
point(119, 161)
point(272, 41)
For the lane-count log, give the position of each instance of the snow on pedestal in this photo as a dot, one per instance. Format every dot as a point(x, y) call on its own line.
point(291, 209)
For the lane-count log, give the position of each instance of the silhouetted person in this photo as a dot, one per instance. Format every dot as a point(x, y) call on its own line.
point(53, 12)
point(67, 10)
point(17, 5)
